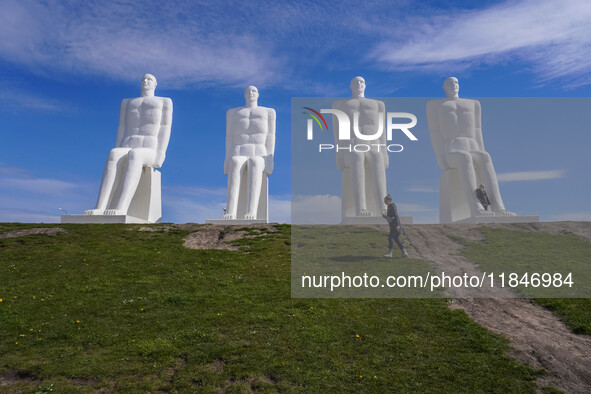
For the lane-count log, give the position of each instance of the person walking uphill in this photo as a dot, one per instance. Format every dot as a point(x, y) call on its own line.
point(395, 229)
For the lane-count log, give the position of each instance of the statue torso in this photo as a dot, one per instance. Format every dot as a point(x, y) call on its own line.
point(143, 118)
point(248, 128)
point(457, 122)
point(369, 113)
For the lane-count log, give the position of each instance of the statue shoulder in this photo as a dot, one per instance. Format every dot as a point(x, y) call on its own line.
point(340, 103)
point(270, 111)
point(435, 103)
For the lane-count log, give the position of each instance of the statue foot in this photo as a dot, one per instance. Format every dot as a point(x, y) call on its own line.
point(502, 212)
point(364, 212)
point(114, 212)
point(483, 212)
point(94, 212)
point(229, 216)
point(250, 217)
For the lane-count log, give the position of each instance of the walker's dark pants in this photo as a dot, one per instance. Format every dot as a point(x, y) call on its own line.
point(394, 237)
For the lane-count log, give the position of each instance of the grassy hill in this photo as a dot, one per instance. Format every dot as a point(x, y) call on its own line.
point(113, 308)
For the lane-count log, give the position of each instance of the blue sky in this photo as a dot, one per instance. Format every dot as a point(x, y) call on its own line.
point(66, 65)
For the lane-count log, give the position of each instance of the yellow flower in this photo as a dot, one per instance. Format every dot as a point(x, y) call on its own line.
point(34, 297)
point(21, 335)
point(30, 329)
point(16, 343)
point(356, 335)
point(1, 300)
point(77, 321)
point(375, 377)
point(360, 376)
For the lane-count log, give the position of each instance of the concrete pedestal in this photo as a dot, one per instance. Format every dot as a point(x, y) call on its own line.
point(145, 207)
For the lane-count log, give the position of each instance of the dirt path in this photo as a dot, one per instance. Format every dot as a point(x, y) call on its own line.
point(537, 336)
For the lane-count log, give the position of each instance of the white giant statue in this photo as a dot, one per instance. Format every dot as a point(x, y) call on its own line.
point(142, 138)
point(250, 145)
point(363, 180)
point(456, 135)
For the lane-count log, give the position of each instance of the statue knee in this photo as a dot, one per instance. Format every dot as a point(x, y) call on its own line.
point(459, 160)
point(134, 155)
point(256, 163)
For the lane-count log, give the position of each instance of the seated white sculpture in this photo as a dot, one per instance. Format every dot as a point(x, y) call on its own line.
point(456, 135)
point(142, 138)
point(250, 145)
point(363, 173)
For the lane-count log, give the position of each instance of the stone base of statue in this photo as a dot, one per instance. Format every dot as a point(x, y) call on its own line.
point(374, 220)
point(499, 219)
point(262, 215)
point(145, 207)
point(454, 208)
point(102, 219)
point(235, 222)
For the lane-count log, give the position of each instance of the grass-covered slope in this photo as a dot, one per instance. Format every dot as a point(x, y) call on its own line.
point(113, 308)
point(529, 252)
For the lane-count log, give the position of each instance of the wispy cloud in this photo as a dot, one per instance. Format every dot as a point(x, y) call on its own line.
point(404, 208)
point(183, 204)
point(553, 36)
point(15, 100)
point(575, 216)
point(318, 209)
point(125, 39)
point(530, 175)
point(421, 189)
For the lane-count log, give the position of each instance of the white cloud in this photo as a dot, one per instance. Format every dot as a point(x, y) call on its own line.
point(124, 40)
point(403, 208)
point(183, 204)
point(318, 209)
point(15, 100)
point(530, 175)
point(555, 36)
point(279, 209)
point(421, 189)
point(42, 186)
point(572, 216)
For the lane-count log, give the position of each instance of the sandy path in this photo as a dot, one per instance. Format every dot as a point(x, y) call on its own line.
point(537, 336)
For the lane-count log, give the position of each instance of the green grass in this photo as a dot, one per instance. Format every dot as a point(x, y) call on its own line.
point(320, 251)
point(520, 252)
point(107, 307)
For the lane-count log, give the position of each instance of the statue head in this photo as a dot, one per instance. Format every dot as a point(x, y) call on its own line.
point(451, 87)
point(251, 94)
point(148, 84)
point(388, 199)
point(481, 187)
point(357, 86)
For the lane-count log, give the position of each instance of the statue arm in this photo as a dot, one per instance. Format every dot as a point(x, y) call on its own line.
point(435, 133)
point(121, 127)
point(164, 133)
point(478, 125)
point(270, 142)
point(383, 140)
point(335, 130)
point(228, 141)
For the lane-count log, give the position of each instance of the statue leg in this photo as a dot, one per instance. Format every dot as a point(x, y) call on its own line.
point(356, 161)
point(136, 159)
point(234, 175)
point(256, 165)
point(378, 171)
point(111, 177)
point(488, 176)
point(462, 161)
